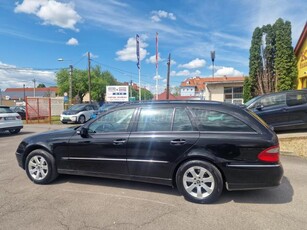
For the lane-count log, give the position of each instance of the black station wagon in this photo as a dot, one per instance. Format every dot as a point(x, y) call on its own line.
point(199, 147)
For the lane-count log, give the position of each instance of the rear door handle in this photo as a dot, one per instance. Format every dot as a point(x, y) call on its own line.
point(178, 142)
point(119, 142)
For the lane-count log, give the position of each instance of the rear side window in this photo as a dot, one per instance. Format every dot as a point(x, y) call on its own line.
point(182, 121)
point(210, 120)
point(5, 110)
point(158, 119)
point(296, 99)
point(272, 100)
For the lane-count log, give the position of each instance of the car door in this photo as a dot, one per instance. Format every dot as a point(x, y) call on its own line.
point(272, 109)
point(160, 136)
point(297, 108)
point(103, 151)
point(88, 111)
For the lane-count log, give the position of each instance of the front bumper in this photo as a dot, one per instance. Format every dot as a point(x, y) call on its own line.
point(245, 177)
point(19, 159)
point(69, 118)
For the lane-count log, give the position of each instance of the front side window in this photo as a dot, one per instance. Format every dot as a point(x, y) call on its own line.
point(272, 100)
point(210, 120)
point(116, 121)
point(157, 119)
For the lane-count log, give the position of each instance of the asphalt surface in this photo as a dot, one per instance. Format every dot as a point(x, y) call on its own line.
point(74, 202)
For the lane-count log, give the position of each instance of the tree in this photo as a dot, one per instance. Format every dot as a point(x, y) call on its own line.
point(247, 89)
point(145, 94)
point(285, 61)
point(272, 63)
point(41, 85)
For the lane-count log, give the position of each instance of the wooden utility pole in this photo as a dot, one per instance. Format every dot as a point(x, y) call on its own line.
point(168, 74)
point(70, 84)
point(89, 76)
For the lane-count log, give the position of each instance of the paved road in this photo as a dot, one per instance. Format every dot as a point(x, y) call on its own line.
point(74, 202)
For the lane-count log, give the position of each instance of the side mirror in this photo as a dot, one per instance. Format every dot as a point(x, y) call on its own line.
point(83, 132)
point(259, 107)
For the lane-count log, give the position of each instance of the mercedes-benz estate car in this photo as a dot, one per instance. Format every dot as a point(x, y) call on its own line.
point(78, 113)
point(10, 120)
point(199, 147)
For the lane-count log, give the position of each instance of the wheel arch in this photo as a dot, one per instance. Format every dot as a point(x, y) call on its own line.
point(31, 148)
point(206, 158)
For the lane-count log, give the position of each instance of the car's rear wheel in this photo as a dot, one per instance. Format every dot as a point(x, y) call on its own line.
point(81, 119)
point(64, 122)
point(14, 131)
point(199, 181)
point(40, 167)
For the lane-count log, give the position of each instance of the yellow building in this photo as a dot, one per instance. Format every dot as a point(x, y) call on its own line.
point(301, 54)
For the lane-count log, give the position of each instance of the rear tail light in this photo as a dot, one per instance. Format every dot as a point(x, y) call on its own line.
point(270, 154)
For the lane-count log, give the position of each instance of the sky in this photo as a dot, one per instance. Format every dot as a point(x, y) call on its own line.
point(34, 34)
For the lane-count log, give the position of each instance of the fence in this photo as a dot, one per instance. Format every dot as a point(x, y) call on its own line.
point(41, 109)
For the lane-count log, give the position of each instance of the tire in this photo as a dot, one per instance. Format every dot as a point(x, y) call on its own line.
point(81, 119)
point(199, 182)
point(14, 131)
point(64, 122)
point(40, 167)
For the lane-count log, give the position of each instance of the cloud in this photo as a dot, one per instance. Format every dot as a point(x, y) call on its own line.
point(185, 73)
point(158, 15)
point(13, 77)
point(228, 71)
point(194, 64)
point(72, 42)
point(152, 59)
point(51, 12)
point(129, 52)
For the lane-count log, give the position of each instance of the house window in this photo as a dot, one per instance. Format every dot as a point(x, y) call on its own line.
point(233, 95)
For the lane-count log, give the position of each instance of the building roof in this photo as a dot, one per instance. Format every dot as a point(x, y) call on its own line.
point(47, 89)
point(200, 82)
point(301, 40)
point(162, 96)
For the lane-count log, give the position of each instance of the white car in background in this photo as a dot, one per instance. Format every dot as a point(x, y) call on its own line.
point(79, 113)
point(10, 120)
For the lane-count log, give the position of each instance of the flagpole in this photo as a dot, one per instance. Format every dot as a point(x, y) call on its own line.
point(137, 38)
point(140, 93)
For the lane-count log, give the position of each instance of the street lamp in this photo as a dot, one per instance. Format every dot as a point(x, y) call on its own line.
point(212, 59)
point(70, 80)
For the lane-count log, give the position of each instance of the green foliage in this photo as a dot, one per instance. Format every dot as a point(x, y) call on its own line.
point(41, 85)
point(145, 94)
point(247, 89)
point(272, 63)
point(285, 61)
point(99, 81)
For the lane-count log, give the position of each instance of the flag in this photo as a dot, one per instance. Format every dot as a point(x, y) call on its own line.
point(138, 50)
point(157, 54)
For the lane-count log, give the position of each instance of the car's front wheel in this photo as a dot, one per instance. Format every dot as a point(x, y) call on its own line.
point(40, 167)
point(81, 119)
point(199, 181)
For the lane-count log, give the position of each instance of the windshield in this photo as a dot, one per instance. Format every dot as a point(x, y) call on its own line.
point(251, 101)
point(76, 107)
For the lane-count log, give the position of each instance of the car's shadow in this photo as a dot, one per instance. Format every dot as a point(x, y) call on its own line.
point(279, 195)
point(8, 134)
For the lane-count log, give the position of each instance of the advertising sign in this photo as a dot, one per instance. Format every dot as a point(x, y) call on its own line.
point(117, 93)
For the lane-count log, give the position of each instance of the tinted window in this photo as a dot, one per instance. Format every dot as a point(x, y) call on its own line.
point(272, 100)
point(217, 121)
point(5, 110)
point(158, 119)
point(116, 121)
point(296, 99)
point(182, 121)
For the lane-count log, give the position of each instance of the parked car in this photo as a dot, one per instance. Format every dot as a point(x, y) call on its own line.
point(285, 110)
point(9, 120)
point(200, 147)
point(104, 108)
point(79, 113)
point(21, 110)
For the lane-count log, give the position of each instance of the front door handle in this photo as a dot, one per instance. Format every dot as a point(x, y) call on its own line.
point(178, 142)
point(119, 142)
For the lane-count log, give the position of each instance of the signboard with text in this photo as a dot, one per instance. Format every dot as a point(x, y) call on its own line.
point(116, 93)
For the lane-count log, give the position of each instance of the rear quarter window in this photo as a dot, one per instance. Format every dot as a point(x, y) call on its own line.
point(210, 120)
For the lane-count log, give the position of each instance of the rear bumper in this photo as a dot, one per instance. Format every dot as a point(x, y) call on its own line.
point(11, 127)
point(19, 159)
point(245, 177)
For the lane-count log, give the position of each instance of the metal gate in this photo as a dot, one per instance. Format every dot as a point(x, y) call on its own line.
point(38, 110)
